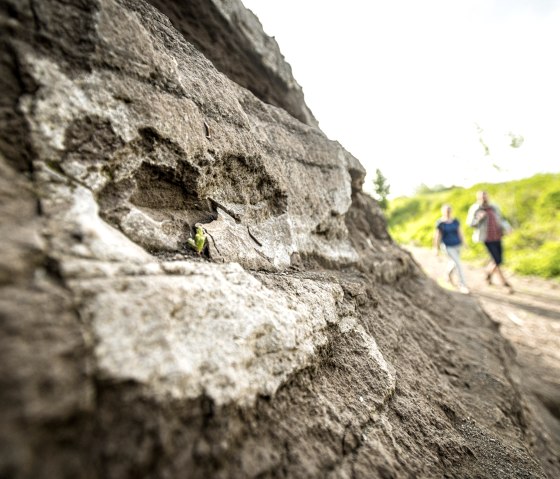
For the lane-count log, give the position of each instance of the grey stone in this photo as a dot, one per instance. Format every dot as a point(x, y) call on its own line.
point(301, 342)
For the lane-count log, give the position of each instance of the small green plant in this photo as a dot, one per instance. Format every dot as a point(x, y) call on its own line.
point(199, 240)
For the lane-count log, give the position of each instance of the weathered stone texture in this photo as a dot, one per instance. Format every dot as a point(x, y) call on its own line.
point(302, 342)
point(232, 38)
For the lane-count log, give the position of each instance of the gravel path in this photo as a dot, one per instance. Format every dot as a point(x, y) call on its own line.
point(529, 318)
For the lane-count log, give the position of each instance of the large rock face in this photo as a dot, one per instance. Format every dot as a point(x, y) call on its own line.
point(232, 38)
point(301, 343)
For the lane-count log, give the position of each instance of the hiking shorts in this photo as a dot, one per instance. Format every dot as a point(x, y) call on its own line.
point(495, 250)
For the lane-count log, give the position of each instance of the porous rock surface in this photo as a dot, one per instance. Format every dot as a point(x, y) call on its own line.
point(302, 342)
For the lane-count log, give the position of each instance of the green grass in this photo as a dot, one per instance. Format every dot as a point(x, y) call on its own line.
point(531, 205)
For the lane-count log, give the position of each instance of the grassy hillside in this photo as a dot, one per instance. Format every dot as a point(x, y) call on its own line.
point(532, 206)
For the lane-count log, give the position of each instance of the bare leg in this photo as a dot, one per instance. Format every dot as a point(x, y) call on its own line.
point(504, 281)
point(496, 249)
point(490, 269)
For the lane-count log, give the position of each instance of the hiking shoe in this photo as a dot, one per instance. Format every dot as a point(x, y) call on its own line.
point(509, 288)
point(489, 279)
point(464, 290)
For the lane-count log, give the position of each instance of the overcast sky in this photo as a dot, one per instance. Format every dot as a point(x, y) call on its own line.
point(410, 86)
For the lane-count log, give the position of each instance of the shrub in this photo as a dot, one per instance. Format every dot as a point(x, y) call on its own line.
point(531, 205)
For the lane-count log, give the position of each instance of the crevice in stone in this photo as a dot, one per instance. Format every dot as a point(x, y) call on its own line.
point(15, 132)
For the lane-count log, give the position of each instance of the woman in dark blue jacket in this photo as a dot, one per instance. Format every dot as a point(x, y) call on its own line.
point(448, 232)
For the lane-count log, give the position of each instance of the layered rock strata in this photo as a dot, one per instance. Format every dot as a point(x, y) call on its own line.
point(231, 37)
point(302, 342)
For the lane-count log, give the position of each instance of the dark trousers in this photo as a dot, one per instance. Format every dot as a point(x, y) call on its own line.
point(495, 250)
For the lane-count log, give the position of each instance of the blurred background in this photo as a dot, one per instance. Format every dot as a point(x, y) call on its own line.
point(436, 98)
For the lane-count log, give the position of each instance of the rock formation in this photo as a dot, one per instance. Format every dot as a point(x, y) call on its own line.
point(302, 342)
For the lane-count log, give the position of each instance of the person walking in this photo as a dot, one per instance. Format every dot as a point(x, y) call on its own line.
point(489, 227)
point(448, 232)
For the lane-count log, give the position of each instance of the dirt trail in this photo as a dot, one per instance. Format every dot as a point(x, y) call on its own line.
point(529, 318)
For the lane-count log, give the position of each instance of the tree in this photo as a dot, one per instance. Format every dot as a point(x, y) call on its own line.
point(516, 140)
point(480, 131)
point(381, 188)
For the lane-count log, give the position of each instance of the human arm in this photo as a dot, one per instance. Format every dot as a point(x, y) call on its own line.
point(460, 234)
point(475, 215)
point(505, 226)
point(437, 240)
